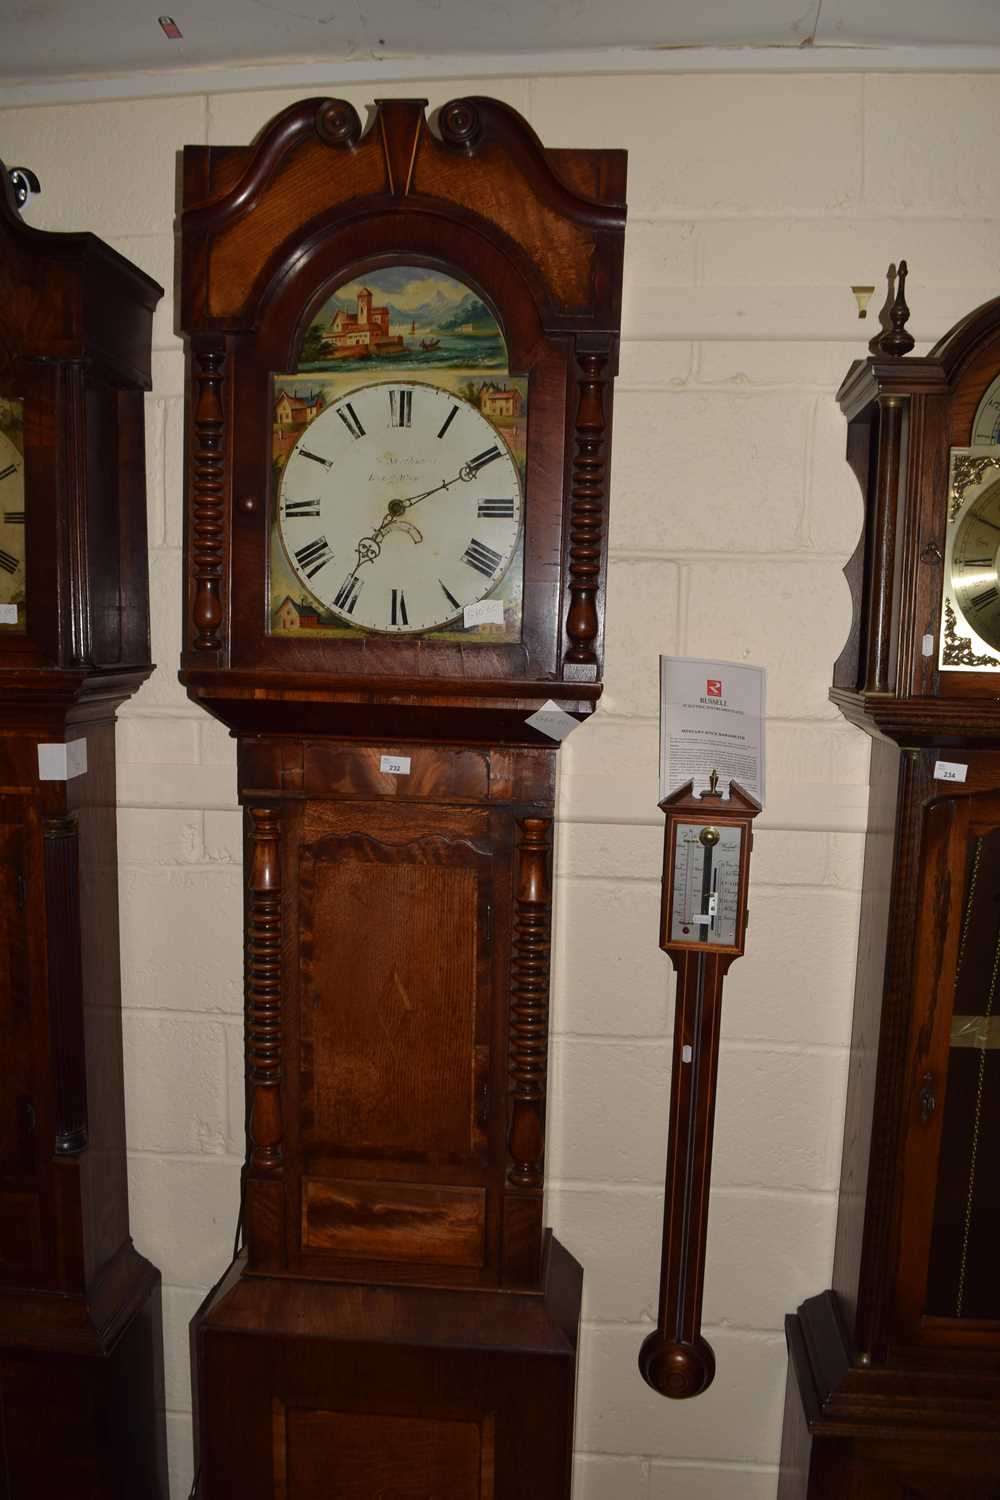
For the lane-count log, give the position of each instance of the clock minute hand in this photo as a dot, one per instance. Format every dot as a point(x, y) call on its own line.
point(466, 473)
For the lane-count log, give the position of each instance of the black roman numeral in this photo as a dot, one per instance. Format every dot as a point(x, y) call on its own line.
point(14, 517)
point(398, 608)
point(988, 596)
point(348, 594)
point(12, 468)
point(8, 563)
point(400, 408)
point(448, 594)
point(502, 508)
point(482, 459)
point(314, 555)
point(301, 507)
point(977, 562)
point(448, 421)
point(482, 558)
point(326, 462)
point(349, 417)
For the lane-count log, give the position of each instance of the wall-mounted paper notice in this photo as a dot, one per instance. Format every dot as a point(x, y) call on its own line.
point(62, 762)
point(8, 614)
point(552, 720)
point(711, 719)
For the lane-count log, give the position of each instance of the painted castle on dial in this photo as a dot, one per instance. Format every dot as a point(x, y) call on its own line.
point(363, 332)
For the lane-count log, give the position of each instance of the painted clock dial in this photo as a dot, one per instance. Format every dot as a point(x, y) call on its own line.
point(12, 516)
point(400, 506)
point(399, 452)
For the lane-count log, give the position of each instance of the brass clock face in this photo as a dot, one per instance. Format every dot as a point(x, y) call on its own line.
point(12, 516)
point(399, 450)
point(970, 627)
point(400, 507)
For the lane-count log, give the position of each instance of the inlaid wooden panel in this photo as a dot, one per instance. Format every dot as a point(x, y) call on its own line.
point(389, 953)
point(395, 1221)
point(338, 1455)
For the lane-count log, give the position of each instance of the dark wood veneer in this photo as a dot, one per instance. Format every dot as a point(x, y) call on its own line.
point(81, 1364)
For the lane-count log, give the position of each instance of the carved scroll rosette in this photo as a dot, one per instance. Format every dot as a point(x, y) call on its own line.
point(587, 509)
point(208, 495)
point(263, 990)
point(529, 1002)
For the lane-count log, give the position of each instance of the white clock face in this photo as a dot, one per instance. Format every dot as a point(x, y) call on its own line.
point(986, 423)
point(399, 507)
point(12, 551)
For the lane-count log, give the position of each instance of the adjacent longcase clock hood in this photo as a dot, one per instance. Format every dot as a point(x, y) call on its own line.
point(922, 443)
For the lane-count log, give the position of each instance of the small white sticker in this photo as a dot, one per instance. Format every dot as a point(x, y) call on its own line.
point(949, 770)
point(8, 614)
point(927, 645)
point(553, 721)
point(62, 762)
point(486, 612)
point(686, 1053)
point(395, 765)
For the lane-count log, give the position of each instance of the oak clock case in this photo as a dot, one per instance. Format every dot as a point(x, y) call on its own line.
point(81, 1382)
point(402, 340)
point(894, 1381)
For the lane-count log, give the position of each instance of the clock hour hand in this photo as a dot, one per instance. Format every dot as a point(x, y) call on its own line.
point(369, 547)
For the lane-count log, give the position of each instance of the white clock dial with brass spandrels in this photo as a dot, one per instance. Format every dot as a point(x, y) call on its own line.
point(399, 507)
point(970, 625)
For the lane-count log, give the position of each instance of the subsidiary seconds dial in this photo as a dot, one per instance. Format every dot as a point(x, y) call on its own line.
point(400, 505)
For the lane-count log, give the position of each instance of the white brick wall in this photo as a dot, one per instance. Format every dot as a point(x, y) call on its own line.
point(755, 202)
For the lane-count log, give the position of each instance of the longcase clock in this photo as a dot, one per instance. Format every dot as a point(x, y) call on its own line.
point(81, 1378)
point(894, 1380)
point(401, 341)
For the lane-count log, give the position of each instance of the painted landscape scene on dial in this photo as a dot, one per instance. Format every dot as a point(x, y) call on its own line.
point(403, 315)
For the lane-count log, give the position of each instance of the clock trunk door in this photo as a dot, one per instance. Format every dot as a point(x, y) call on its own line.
point(949, 1292)
point(401, 1162)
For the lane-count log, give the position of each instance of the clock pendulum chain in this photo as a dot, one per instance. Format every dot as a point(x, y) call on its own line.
point(706, 865)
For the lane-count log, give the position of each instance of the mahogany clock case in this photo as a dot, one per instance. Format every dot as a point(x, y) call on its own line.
point(81, 1382)
point(894, 1379)
point(399, 809)
point(537, 236)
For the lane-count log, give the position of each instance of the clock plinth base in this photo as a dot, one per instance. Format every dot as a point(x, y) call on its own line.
point(81, 1391)
point(358, 1390)
point(882, 1434)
